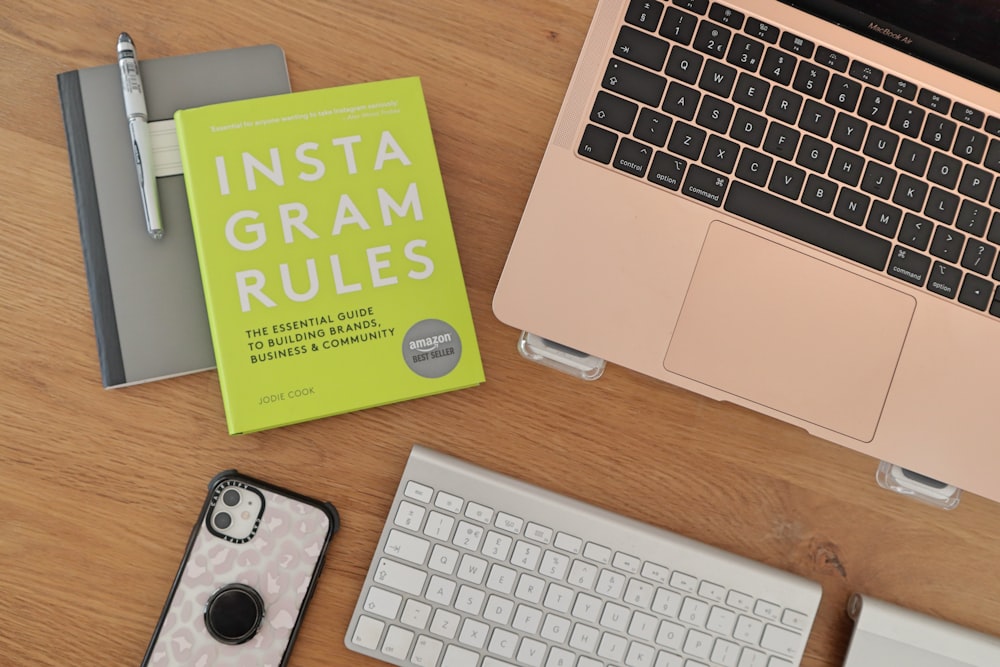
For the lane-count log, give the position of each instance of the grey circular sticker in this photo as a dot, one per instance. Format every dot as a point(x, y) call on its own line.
point(432, 348)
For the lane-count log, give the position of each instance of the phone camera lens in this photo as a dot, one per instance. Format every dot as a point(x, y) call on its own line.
point(223, 520)
point(231, 497)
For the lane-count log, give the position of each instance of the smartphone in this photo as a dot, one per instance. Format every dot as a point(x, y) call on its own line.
point(248, 573)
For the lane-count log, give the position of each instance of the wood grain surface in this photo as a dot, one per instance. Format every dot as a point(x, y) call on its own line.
point(99, 489)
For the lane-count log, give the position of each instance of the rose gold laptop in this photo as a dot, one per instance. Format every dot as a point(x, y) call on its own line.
point(792, 208)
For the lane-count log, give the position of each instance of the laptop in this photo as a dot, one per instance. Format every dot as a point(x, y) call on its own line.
point(886, 634)
point(790, 206)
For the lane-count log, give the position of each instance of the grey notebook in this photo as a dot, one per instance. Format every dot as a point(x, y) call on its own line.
point(146, 296)
point(886, 635)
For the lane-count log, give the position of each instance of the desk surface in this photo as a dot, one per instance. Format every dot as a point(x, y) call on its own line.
point(100, 488)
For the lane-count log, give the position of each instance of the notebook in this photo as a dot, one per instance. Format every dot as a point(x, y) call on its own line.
point(791, 208)
point(146, 297)
point(886, 634)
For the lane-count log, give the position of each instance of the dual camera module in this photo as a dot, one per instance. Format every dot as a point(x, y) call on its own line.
point(235, 514)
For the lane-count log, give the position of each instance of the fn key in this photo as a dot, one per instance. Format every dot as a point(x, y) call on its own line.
point(598, 144)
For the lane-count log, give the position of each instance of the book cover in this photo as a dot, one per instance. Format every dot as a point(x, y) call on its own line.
point(331, 276)
point(146, 296)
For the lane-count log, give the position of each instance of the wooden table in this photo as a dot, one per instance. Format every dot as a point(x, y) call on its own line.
point(98, 489)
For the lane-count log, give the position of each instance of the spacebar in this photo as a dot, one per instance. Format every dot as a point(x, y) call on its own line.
point(807, 225)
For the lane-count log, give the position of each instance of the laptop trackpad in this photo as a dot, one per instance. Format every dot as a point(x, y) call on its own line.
point(789, 332)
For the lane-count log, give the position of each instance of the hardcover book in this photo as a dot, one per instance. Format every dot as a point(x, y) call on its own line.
point(331, 275)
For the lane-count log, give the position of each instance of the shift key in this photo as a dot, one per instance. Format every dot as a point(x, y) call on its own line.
point(400, 577)
point(705, 185)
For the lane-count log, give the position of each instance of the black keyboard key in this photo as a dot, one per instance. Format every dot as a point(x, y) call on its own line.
point(787, 180)
point(831, 59)
point(881, 145)
point(681, 101)
point(843, 92)
point(814, 154)
point(938, 132)
point(941, 205)
point(720, 154)
point(614, 112)
point(947, 244)
point(884, 219)
point(641, 47)
point(933, 101)
point(807, 225)
point(667, 171)
point(715, 114)
point(761, 30)
point(781, 141)
point(992, 160)
point(704, 185)
point(684, 65)
point(852, 206)
point(726, 16)
point(976, 292)
point(712, 39)
point(975, 183)
point(632, 157)
point(876, 106)
point(751, 92)
point(754, 167)
point(811, 79)
point(797, 45)
point(652, 127)
point(910, 193)
point(849, 131)
point(717, 78)
point(944, 279)
point(696, 6)
point(817, 118)
point(979, 256)
point(687, 141)
point(748, 128)
point(994, 234)
point(916, 231)
point(745, 53)
point(819, 193)
point(907, 119)
point(778, 66)
point(784, 105)
point(644, 14)
point(969, 145)
point(634, 82)
point(992, 126)
point(995, 306)
point(913, 157)
point(846, 167)
point(598, 144)
point(866, 73)
point(944, 170)
point(900, 87)
point(878, 180)
point(968, 115)
point(678, 26)
point(972, 218)
point(909, 266)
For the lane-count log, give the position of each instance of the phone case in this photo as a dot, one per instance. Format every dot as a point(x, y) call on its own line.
point(241, 590)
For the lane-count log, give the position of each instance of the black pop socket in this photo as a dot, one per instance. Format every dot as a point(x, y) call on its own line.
point(234, 613)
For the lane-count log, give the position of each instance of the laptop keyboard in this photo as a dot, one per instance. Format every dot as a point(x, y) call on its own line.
point(475, 569)
point(786, 132)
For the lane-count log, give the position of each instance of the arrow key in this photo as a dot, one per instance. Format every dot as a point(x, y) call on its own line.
point(976, 292)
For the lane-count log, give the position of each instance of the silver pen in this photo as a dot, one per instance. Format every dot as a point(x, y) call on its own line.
point(142, 147)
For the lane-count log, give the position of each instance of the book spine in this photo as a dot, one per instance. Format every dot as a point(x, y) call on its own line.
point(91, 234)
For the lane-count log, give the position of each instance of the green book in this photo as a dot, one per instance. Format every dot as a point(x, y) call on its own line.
point(332, 279)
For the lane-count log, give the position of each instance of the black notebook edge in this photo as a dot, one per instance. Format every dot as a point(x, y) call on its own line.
point(88, 213)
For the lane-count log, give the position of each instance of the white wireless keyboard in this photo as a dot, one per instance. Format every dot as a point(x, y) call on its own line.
point(476, 569)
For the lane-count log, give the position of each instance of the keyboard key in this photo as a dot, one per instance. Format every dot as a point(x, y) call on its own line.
point(851, 206)
point(598, 144)
point(810, 79)
point(807, 225)
point(748, 128)
point(975, 183)
point(715, 114)
point(382, 603)
point(814, 154)
point(875, 106)
point(407, 547)
point(712, 39)
point(632, 157)
point(456, 656)
point(409, 515)
point(684, 65)
point(597, 552)
point(652, 127)
point(797, 45)
point(751, 92)
point(418, 492)
point(881, 145)
point(908, 265)
point(760, 30)
point(866, 73)
point(910, 193)
point(397, 643)
point(884, 219)
point(831, 59)
point(900, 87)
point(787, 180)
point(614, 112)
point(641, 47)
point(479, 513)
point(784, 105)
point(678, 26)
point(644, 14)
point(972, 218)
point(704, 185)
point(368, 632)
point(754, 167)
point(780, 640)
point(819, 193)
point(687, 140)
point(944, 279)
point(717, 78)
point(449, 502)
point(913, 157)
point(634, 82)
point(849, 131)
point(941, 206)
point(947, 244)
point(726, 15)
point(567, 542)
point(969, 144)
point(907, 119)
point(681, 101)
point(720, 154)
point(667, 171)
point(817, 118)
point(415, 614)
point(745, 52)
point(976, 292)
point(843, 92)
point(400, 577)
point(778, 66)
point(979, 256)
point(938, 132)
point(509, 523)
point(878, 180)
point(968, 115)
point(846, 167)
point(944, 170)
point(933, 101)
point(696, 6)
